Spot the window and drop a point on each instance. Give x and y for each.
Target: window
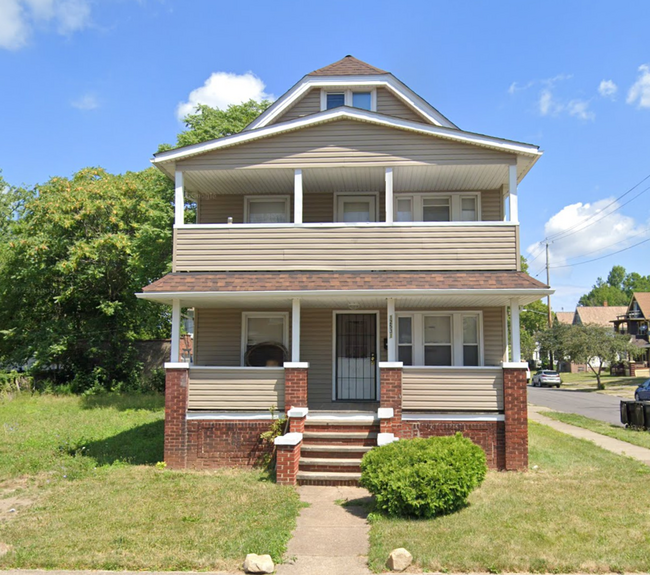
(264, 328)
(334, 100)
(453, 207)
(267, 209)
(439, 338)
(358, 208)
(362, 100)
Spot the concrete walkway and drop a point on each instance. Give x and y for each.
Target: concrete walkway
(536, 413)
(329, 539)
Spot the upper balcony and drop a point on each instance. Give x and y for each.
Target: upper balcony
(332, 220)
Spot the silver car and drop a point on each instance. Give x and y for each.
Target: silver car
(546, 377)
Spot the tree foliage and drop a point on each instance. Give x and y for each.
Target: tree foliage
(617, 289)
(74, 261)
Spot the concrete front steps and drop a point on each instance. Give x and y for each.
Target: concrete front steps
(332, 448)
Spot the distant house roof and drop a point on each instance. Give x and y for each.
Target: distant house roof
(348, 66)
(565, 316)
(643, 299)
(599, 315)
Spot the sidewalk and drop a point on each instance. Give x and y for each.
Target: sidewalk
(536, 413)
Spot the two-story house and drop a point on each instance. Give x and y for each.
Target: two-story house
(353, 262)
(634, 320)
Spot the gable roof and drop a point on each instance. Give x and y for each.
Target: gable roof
(601, 315)
(643, 299)
(348, 66)
(565, 317)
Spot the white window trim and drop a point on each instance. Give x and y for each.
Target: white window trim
(417, 335)
(377, 350)
(347, 94)
(358, 195)
(417, 203)
(262, 314)
(267, 197)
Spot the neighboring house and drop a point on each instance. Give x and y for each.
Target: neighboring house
(635, 321)
(565, 317)
(352, 262)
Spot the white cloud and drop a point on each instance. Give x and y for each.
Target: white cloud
(580, 109)
(607, 89)
(221, 90)
(18, 18)
(86, 102)
(546, 104)
(640, 91)
(589, 241)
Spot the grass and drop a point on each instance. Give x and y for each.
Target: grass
(640, 438)
(619, 386)
(579, 509)
(100, 502)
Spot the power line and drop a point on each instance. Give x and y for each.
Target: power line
(602, 257)
(642, 232)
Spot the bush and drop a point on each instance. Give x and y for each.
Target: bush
(423, 477)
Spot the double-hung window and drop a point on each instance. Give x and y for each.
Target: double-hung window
(267, 209)
(264, 328)
(439, 338)
(452, 207)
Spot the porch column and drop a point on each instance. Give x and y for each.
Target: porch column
(297, 196)
(295, 384)
(392, 326)
(389, 195)
(513, 449)
(512, 194)
(179, 201)
(295, 330)
(176, 330)
(514, 330)
(390, 401)
(177, 377)
(288, 458)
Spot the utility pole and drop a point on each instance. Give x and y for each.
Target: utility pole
(550, 317)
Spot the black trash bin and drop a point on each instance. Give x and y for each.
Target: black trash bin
(646, 413)
(625, 411)
(636, 416)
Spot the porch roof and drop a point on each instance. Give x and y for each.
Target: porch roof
(443, 288)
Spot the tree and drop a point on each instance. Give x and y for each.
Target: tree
(72, 266)
(618, 288)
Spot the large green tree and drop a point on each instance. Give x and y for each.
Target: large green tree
(617, 289)
(73, 263)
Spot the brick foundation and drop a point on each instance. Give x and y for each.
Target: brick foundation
(391, 396)
(288, 459)
(176, 387)
(295, 387)
(516, 416)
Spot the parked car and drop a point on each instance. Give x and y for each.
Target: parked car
(546, 377)
(528, 375)
(642, 392)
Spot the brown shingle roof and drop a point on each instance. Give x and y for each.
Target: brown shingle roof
(599, 315)
(348, 66)
(565, 316)
(643, 299)
(297, 281)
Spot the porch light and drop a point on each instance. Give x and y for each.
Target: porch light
(353, 305)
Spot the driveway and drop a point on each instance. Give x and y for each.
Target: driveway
(595, 405)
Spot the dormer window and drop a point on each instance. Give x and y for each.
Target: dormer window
(361, 99)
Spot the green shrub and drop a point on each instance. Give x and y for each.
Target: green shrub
(423, 477)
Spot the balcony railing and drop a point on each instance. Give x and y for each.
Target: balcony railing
(458, 246)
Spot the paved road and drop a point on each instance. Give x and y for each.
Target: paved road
(594, 405)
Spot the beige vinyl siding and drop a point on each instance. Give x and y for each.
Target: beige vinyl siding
(217, 209)
(253, 389)
(435, 389)
(348, 143)
(492, 206)
(346, 248)
(494, 347)
(217, 337)
(391, 105)
(308, 104)
(316, 349)
(318, 208)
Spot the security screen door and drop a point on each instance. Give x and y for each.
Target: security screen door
(356, 357)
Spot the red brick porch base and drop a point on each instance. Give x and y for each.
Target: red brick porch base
(295, 384)
(176, 387)
(515, 406)
(390, 396)
(288, 458)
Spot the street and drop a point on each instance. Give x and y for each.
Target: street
(594, 405)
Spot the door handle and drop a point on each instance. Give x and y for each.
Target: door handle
(372, 358)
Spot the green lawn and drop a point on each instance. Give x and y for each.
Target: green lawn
(579, 509)
(90, 496)
(614, 385)
(640, 438)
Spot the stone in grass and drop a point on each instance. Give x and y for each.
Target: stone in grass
(399, 559)
(258, 564)
(4, 548)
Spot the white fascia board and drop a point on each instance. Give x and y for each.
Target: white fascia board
(512, 293)
(399, 89)
(344, 112)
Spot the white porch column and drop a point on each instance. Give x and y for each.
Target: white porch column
(512, 194)
(295, 330)
(179, 201)
(389, 195)
(297, 197)
(176, 330)
(514, 330)
(392, 327)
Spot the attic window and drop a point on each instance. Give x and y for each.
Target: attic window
(334, 100)
(365, 100)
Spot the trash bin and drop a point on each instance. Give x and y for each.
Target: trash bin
(625, 410)
(646, 412)
(636, 416)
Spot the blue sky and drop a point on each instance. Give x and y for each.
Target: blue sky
(98, 83)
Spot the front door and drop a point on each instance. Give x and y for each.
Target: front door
(355, 357)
